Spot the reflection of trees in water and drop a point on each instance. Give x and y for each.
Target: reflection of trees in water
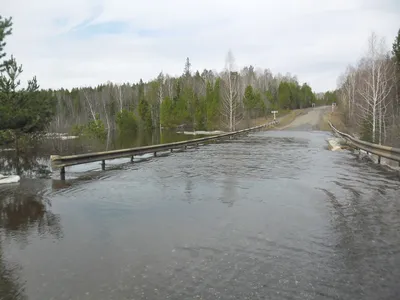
(23, 212)
(26, 164)
(230, 168)
(146, 138)
(10, 289)
(229, 190)
(23, 209)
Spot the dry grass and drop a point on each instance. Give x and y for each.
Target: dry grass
(285, 117)
(336, 118)
(254, 122)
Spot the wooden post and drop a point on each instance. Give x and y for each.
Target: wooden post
(172, 150)
(132, 158)
(379, 159)
(155, 154)
(62, 173)
(103, 165)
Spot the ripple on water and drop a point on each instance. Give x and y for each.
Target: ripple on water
(270, 216)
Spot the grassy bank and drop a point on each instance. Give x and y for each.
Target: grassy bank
(335, 118)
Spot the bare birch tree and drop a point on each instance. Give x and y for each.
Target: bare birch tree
(105, 100)
(230, 93)
(376, 85)
(118, 94)
(91, 102)
(349, 87)
(160, 96)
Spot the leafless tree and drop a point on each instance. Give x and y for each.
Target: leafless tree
(91, 102)
(118, 94)
(230, 108)
(366, 92)
(376, 85)
(349, 89)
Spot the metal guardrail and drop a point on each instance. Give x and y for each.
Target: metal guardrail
(379, 150)
(60, 162)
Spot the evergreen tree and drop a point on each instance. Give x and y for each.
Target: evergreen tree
(396, 48)
(212, 104)
(5, 30)
(167, 113)
(145, 114)
(186, 70)
(22, 110)
(284, 95)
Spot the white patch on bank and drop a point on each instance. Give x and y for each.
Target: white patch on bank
(9, 179)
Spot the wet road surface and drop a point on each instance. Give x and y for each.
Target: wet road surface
(270, 216)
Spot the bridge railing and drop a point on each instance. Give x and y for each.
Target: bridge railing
(60, 162)
(379, 150)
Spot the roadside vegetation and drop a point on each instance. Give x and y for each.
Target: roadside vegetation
(369, 94)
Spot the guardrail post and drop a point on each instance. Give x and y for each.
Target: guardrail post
(155, 154)
(103, 165)
(379, 160)
(132, 158)
(172, 150)
(62, 173)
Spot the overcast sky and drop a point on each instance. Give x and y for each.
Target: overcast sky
(68, 43)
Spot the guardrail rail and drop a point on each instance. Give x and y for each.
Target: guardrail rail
(379, 150)
(60, 162)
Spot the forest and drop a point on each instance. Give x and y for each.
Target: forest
(194, 100)
(369, 93)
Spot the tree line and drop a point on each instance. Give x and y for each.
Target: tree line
(369, 93)
(208, 100)
(199, 101)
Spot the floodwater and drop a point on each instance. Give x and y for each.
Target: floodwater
(34, 159)
(270, 216)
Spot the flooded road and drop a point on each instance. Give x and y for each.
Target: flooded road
(270, 216)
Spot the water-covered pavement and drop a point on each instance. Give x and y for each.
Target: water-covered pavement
(270, 216)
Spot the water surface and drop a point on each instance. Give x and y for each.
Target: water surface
(270, 216)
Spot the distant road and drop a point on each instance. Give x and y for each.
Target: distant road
(310, 120)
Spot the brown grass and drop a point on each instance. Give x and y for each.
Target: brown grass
(336, 118)
(285, 117)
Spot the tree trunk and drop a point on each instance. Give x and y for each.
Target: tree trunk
(373, 123)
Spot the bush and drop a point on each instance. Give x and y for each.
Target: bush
(126, 121)
(6, 137)
(77, 130)
(96, 129)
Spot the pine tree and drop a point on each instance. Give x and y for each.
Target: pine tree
(396, 48)
(22, 110)
(5, 30)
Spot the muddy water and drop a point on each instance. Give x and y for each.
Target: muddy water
(270, 216)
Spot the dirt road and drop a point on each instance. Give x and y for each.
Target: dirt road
(311, 119)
